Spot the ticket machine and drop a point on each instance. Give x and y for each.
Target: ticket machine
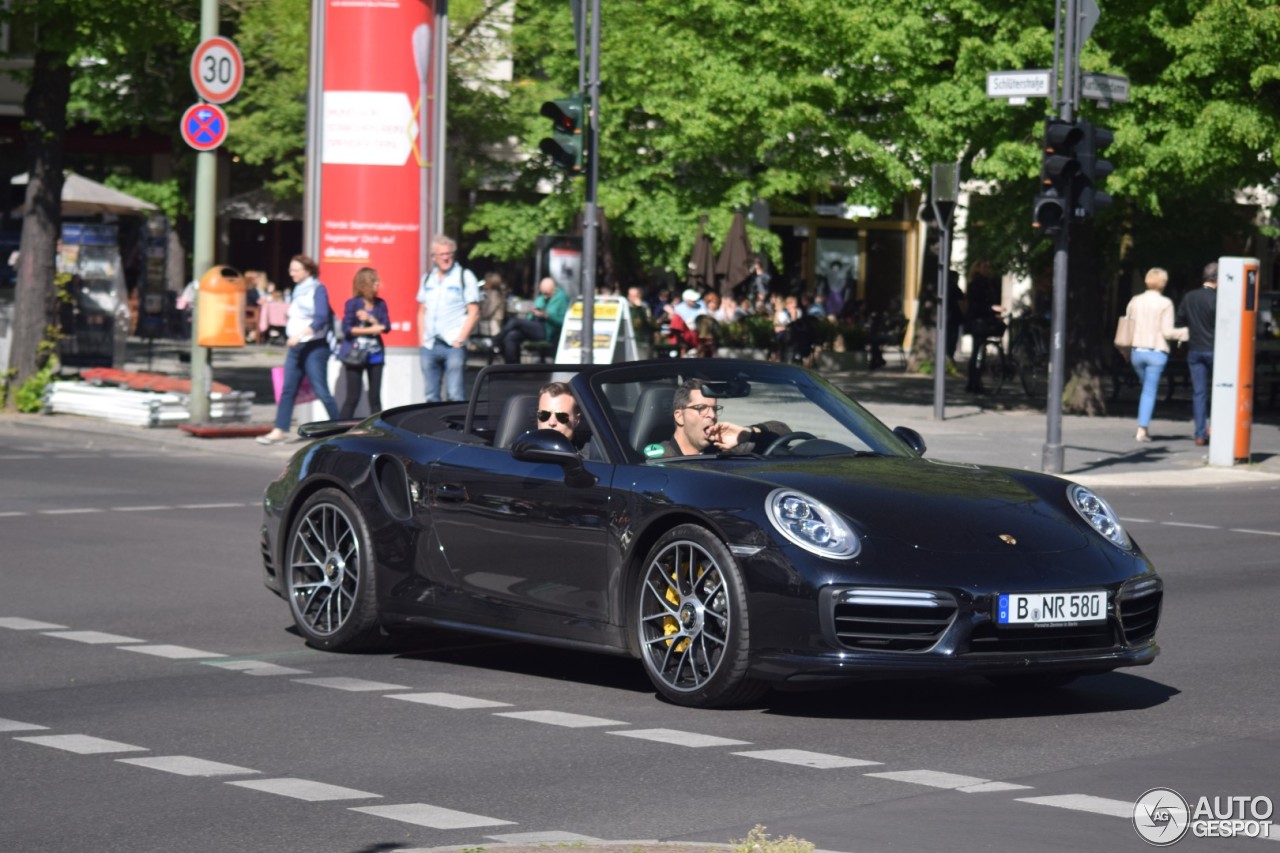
(1231, 403)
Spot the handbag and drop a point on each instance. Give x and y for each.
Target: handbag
(1124, 335)
(362, 346)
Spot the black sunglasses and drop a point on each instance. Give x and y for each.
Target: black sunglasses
(562, 417)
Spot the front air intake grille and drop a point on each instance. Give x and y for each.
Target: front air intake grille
(987, 638)
(891, 620)
(1139, 605)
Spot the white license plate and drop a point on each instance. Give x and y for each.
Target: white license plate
(1051, 608)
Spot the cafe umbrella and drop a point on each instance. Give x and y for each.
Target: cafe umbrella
(733, 266)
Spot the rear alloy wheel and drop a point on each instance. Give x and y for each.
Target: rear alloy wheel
(692, 621)
(329, 575)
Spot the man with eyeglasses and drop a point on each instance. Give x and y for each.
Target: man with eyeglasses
(448, 309)
(700, 430)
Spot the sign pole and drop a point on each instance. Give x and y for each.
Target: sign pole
(590, 219)
(202, 250)
(946, 179)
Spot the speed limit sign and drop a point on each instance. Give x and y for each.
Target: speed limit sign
(217, 69)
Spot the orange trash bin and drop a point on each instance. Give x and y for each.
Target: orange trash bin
(220, 308)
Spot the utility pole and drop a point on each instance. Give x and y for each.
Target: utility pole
(945, 191)
(590, 219)
(202, 250)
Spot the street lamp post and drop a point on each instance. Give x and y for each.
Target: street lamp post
(946, 180)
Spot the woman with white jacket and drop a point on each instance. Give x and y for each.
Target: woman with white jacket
(1152, 314)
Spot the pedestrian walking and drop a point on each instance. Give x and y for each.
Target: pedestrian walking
(364, 320)
(1152, 316)
(307, 327)
(448, 309)
(1198, 313)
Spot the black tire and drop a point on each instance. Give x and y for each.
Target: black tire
(691, 621)
(994, 368)
(1030, 371)
(329, 574)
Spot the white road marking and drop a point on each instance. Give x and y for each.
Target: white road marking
(186, 765)
(435, 817)
(70, 511)
(1259, 532)
(304, 789)
(1127, 520)
(19, 726)
(172, 652)
(541, 837)
(806, 759)
(256, 667)
(12, 514)
(139, 508)
(679, 738)
(560, 718)
(353, 685)
(227, 505)
(992, 787)
(92, 637)
(82, 744)
(1189, 524)
(17, 623)
(932, 778)
(1084, 803)
(449, 700)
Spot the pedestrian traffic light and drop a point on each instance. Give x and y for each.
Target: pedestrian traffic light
(1093, 170)
(1058, 168)
(566, 144)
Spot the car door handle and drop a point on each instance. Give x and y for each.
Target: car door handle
(451, 493)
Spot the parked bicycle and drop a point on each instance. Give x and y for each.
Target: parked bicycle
(1029, 350)
(996, 366)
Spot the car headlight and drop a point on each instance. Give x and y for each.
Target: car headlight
(811, 524)
(1099, 514)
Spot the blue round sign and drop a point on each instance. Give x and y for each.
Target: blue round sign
(204, 126)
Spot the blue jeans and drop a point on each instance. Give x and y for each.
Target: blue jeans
(1200, 363)
(452, 361)
(311, 360)
(1148, 364)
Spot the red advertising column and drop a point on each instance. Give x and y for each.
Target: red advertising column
(376, 140)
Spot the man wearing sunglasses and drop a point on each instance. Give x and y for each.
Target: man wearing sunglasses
(700, 430)
(558, 410)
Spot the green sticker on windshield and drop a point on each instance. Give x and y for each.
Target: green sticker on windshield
(653, 451)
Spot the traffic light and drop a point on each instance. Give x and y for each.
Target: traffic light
(1058, 169)
(566, 144)
(1093, 170)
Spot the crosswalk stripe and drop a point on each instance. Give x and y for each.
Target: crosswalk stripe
(304, 789)
(82, 744)
(256, 667)
(1084, 803)
(560, 718)
(679, 738)
(17, 623)
(172, 652)
(805, 758)
(435, 817)
(19, 726)
(931, 778)
(352, 685)
(186, 765)
(91, 637)
(448, 700)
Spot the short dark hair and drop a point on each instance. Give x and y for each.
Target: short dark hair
(684, 393)
(312, 268)
(555, 389)
(1210, 272)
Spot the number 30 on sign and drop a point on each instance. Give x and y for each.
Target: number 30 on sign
(217, 70)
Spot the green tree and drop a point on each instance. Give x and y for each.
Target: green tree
(87, 48)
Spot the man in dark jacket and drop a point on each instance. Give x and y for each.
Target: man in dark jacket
(1198, 312)
(698, 428)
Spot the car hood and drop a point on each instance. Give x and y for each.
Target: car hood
(937, 506)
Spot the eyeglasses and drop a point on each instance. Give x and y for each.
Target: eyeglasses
(562, 417)
(704, 408)
(442, 254)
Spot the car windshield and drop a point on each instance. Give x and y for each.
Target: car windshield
(814, 417)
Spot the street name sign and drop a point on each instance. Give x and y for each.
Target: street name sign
(1019, 85)
(1104, 87)
(217, 69)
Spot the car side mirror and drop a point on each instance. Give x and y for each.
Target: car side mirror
(911, 437)
(547, 445)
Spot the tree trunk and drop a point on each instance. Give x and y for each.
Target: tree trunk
(44, 126)
(1086, 348)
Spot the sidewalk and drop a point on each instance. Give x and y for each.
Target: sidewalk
(1009, 429)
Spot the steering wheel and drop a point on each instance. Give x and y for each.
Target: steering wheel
(784, 440)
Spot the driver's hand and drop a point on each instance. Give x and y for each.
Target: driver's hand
(725, 435)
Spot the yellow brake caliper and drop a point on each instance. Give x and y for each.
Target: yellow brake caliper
(670, 625)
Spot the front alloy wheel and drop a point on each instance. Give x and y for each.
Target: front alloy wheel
(692, 621)
(329, 574)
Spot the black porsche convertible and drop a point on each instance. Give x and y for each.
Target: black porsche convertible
(831, 550)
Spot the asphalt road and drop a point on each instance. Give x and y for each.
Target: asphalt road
(154, 697)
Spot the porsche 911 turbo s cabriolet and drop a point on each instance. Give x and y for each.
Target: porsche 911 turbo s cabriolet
(825, 548)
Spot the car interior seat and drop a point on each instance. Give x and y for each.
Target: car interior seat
(517, 419)
(653, 420)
